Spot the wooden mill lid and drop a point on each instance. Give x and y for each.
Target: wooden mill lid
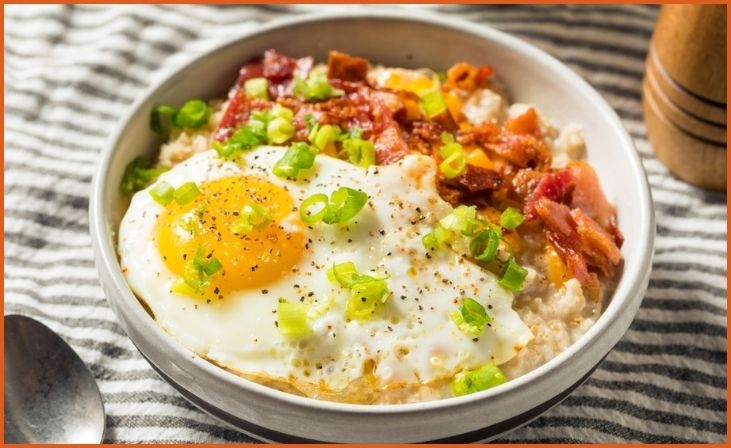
(690, 43)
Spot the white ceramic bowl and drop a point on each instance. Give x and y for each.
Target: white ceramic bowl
(421, 40)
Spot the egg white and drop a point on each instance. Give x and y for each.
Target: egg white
(410, 340)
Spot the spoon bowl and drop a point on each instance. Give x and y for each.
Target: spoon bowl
(50, 394)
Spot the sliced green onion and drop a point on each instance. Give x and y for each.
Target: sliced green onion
(160, 113)
(360, 152)
(311, 122)
(477, 380)
(212, 266)
(433, 104)
(257, 88)
(253, 216)
(513, 276)
(196, 273)
(436, 238)
(279, 111)
(193, 278)
(453, 165)
(463, 219)
(138, 174)
(366, 292)
(193, 114)
(360, 306)
(324, 135)
(485, 244)
(279, 130)
(454, 161)
(306, 214)
(511, 218)
(247, 137)
(298, 156)
(292, 319)
(179, 286)
(186, 193)
(447, 138)
(193, 274)
(471, 317)
(315, 88)
(365, 297)
(162, 193)
(344, 204)
(344, 273)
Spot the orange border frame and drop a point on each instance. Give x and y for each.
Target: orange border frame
(728, 164)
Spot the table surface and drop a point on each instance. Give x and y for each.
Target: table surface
(72, 71)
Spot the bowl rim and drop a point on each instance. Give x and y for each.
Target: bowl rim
(629, 291)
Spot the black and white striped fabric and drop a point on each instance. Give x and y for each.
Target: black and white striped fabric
(70, 73)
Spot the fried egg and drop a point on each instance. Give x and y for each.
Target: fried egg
(410, 340)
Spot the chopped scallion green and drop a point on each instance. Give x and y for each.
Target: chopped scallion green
(365, 297)
(447, 138)
(186, 193)
(366, 291)
(344, 273)
(433, 104)
(298, 156)
(193, 114)
(257, 88)
(247, 137)
(196, 273)
(292, 319)
(513, 276)
(485, 244)
(325, 135)
(511, 218)
(252, 217)
(306, 213)
(454, 161)
(477, 380)
(160, 113)
(315, 88)
(138, 174)
(279, 130)
(162, 193)
(463, 219)
(344, 204)
(360, 152)
(471, 317)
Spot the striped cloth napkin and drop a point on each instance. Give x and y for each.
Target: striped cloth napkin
(72, 71)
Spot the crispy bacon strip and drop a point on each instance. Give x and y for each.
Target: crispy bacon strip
(561, 231)
(597, 244)
(520, 150)
(278, 67)
(236, 112)
(390, 145)
(475, 179)
(553, 186)
(580, 241)
(588, 194)
(345, 67)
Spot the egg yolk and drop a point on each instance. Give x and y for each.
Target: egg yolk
(249, 259)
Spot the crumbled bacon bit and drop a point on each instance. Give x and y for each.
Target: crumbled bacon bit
(345, 67)
(475, 178)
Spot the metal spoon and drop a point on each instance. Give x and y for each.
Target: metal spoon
(50, 394)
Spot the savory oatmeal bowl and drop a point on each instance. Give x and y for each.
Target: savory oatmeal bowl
(304, 234)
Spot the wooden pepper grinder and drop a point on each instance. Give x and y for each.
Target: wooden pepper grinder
(684, 93)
